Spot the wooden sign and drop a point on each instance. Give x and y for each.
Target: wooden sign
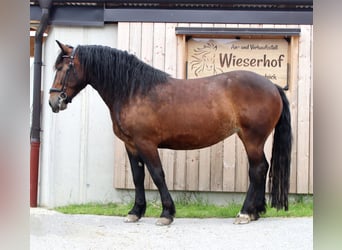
(268, 57)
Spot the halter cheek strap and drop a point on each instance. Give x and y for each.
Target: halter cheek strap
(63, 96)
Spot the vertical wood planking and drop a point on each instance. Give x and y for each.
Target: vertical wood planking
(311, 120)
(303, 109)
(119, 164)
(159, 46)
(169, 166)
(135, 39)
(204, 170)
(241, 173)
(229, 164)
(192, 163)
(147, 43)
(181, 53)
(216, 170)
(123, 36)
(292, 95)
(171, 49)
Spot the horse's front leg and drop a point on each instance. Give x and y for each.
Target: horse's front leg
(150, 156)
(255, 202)
(138, 173)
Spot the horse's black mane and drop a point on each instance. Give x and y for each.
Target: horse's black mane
(120, 74)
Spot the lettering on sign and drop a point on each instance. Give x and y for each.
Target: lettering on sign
(268, 57)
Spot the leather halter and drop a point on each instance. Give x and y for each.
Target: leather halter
(63, 96)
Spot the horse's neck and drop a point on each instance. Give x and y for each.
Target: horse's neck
(114, 108)
(105, 95)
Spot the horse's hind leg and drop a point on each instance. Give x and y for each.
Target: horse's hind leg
(138, 172)
(255, 202)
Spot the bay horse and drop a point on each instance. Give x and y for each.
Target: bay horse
(150, 110)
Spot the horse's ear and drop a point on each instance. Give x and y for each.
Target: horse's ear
(63, 47)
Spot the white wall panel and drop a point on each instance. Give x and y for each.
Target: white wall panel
(77, 144)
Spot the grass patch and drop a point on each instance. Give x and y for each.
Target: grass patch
(191, 209)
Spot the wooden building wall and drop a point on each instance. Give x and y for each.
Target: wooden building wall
(224, 166)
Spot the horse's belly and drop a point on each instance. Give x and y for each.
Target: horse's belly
(196, 139)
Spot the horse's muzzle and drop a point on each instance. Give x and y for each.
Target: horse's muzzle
(56, 103)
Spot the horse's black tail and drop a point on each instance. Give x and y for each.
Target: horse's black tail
(279, 175)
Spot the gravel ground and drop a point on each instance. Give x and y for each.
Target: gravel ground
(53, 230)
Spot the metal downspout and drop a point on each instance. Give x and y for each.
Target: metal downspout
(35, 126)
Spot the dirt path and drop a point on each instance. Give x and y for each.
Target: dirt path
(53, 230)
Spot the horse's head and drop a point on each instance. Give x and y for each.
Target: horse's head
(68, 80)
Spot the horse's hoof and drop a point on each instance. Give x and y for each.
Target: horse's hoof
(242, 219)
(131, 218)
(163, 221)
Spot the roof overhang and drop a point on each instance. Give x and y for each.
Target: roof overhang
(99, 12)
